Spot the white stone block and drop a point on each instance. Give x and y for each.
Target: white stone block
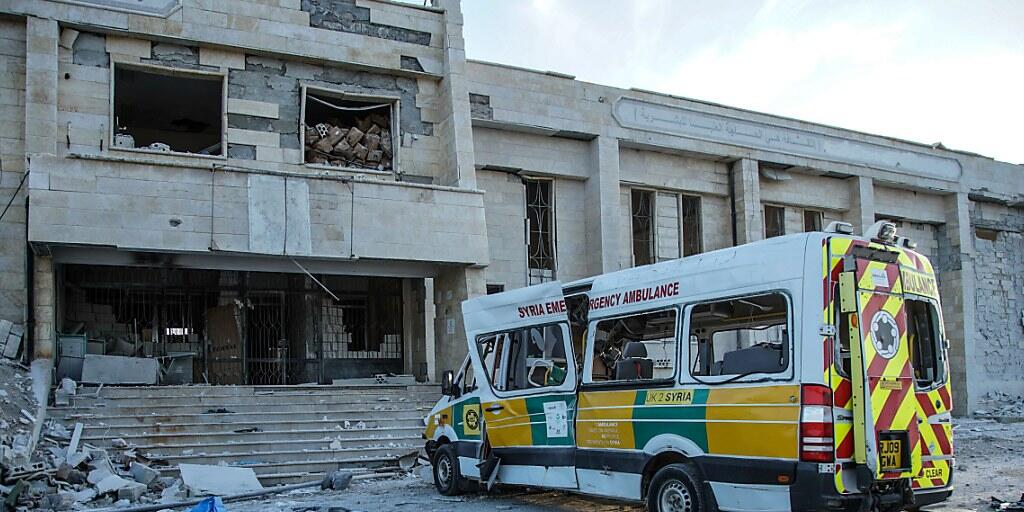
(252, 108)
(254, 138)
(128, 46)
(221, 58)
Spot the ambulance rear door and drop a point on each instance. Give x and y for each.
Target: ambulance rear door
(521, 346)
(885, 424)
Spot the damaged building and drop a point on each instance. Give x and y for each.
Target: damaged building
(299, 192)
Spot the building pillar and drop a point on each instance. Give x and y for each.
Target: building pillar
(747, 210)
(451, 287)
(955, 268)
(602, 196)
(43, 306)
(455, 128)
(862, 203)
(41, 37)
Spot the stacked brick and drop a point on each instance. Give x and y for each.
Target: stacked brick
(366, 145)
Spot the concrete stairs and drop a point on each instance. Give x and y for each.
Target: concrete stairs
(287, 434)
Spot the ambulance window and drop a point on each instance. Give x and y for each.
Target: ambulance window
(924, 335)
(740, 336)
(468, 382)
(636, 347)
(534, 357)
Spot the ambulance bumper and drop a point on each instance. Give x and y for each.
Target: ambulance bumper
(814, 491)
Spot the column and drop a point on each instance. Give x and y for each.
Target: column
(451, 287)
(862, 203)
(41, 36)
(747, 210)
(955, 268)
(455, 129)
(601, 193)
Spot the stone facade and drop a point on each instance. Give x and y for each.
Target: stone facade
(451, 217)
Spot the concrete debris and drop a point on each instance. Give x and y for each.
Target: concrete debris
(997, 404)
(204, 480)
(10, 339)
(366, 145)
(143, 474)
(1014, 506)
(337, 480)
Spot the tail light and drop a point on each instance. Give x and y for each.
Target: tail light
(816, 429)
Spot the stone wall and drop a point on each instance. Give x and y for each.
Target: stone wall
(12, 168)
(998, 261)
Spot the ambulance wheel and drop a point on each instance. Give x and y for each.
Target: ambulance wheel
(447, 477)
(676, 488)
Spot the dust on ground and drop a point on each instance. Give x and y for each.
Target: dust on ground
(989, 464)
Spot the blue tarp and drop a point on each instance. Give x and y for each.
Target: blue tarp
(213, 504)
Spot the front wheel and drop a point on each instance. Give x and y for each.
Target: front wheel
(447, 477)
(676, 488)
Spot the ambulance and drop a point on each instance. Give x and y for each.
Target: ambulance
(803, 372)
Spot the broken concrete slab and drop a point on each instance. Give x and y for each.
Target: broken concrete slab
(218, 480)
(143, 474)
(114, 483)
(98, 369)
(132, 492)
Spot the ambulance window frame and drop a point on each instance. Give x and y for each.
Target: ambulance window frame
(567, 386)
(587, 382)
(787, 374)
(941, 352)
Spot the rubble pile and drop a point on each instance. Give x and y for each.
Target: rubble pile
(366, 145)
(19, 407)
(997, 404)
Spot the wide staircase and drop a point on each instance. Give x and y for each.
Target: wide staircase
(286, 434)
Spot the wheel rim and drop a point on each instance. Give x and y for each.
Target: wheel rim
(444, 471)
(676, 497)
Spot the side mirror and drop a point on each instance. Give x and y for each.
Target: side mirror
(448, 383)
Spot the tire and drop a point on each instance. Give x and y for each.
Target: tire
(447, 478)
(677, 488)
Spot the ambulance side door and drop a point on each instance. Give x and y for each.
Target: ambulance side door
(521, 350)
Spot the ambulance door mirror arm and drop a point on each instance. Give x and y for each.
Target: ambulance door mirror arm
(448, 383)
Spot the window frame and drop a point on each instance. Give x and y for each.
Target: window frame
(699, 235)
(819, 216)
(941, 352)
(788, 374)
(653, 244)
(553, 229)
(158, 69)
(683, 236)
(319, 90)
(567, 386)
(782, 221)
(587, 382)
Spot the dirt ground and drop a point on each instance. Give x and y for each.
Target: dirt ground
(989, 464)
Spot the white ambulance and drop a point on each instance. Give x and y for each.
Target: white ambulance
(804, 372)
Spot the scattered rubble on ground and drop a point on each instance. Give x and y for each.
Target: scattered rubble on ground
(997, 404)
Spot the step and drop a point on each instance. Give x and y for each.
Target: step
(178, 410)
(352, 414)
(112, 392)
(289, 456)
(106, 430)
(354, 398)
(273, 473)
(176, 438)
(256, 446)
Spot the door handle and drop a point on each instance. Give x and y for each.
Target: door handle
(494, 408)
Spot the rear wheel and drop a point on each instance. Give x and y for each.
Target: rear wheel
(676, 488)
(447, 477)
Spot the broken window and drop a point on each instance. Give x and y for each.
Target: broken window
(740, 336)
(349, 131)
(533, 357)
(168, 110)
(774, 221)
(812, 220)
(635, 347)
(540, 231)
(692, 231)
(642, 215)
(925, 337)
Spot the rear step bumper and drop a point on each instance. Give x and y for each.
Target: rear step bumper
(813, 491)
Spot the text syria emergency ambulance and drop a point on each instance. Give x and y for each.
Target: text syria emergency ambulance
(805, 372)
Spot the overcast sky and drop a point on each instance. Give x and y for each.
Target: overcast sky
(922, 70)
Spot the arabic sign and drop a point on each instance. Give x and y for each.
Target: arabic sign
(656, 117)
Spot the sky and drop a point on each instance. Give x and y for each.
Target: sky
(928, 71)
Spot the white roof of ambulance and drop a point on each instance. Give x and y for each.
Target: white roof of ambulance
(761, 265)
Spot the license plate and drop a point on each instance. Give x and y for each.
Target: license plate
(890, 454)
